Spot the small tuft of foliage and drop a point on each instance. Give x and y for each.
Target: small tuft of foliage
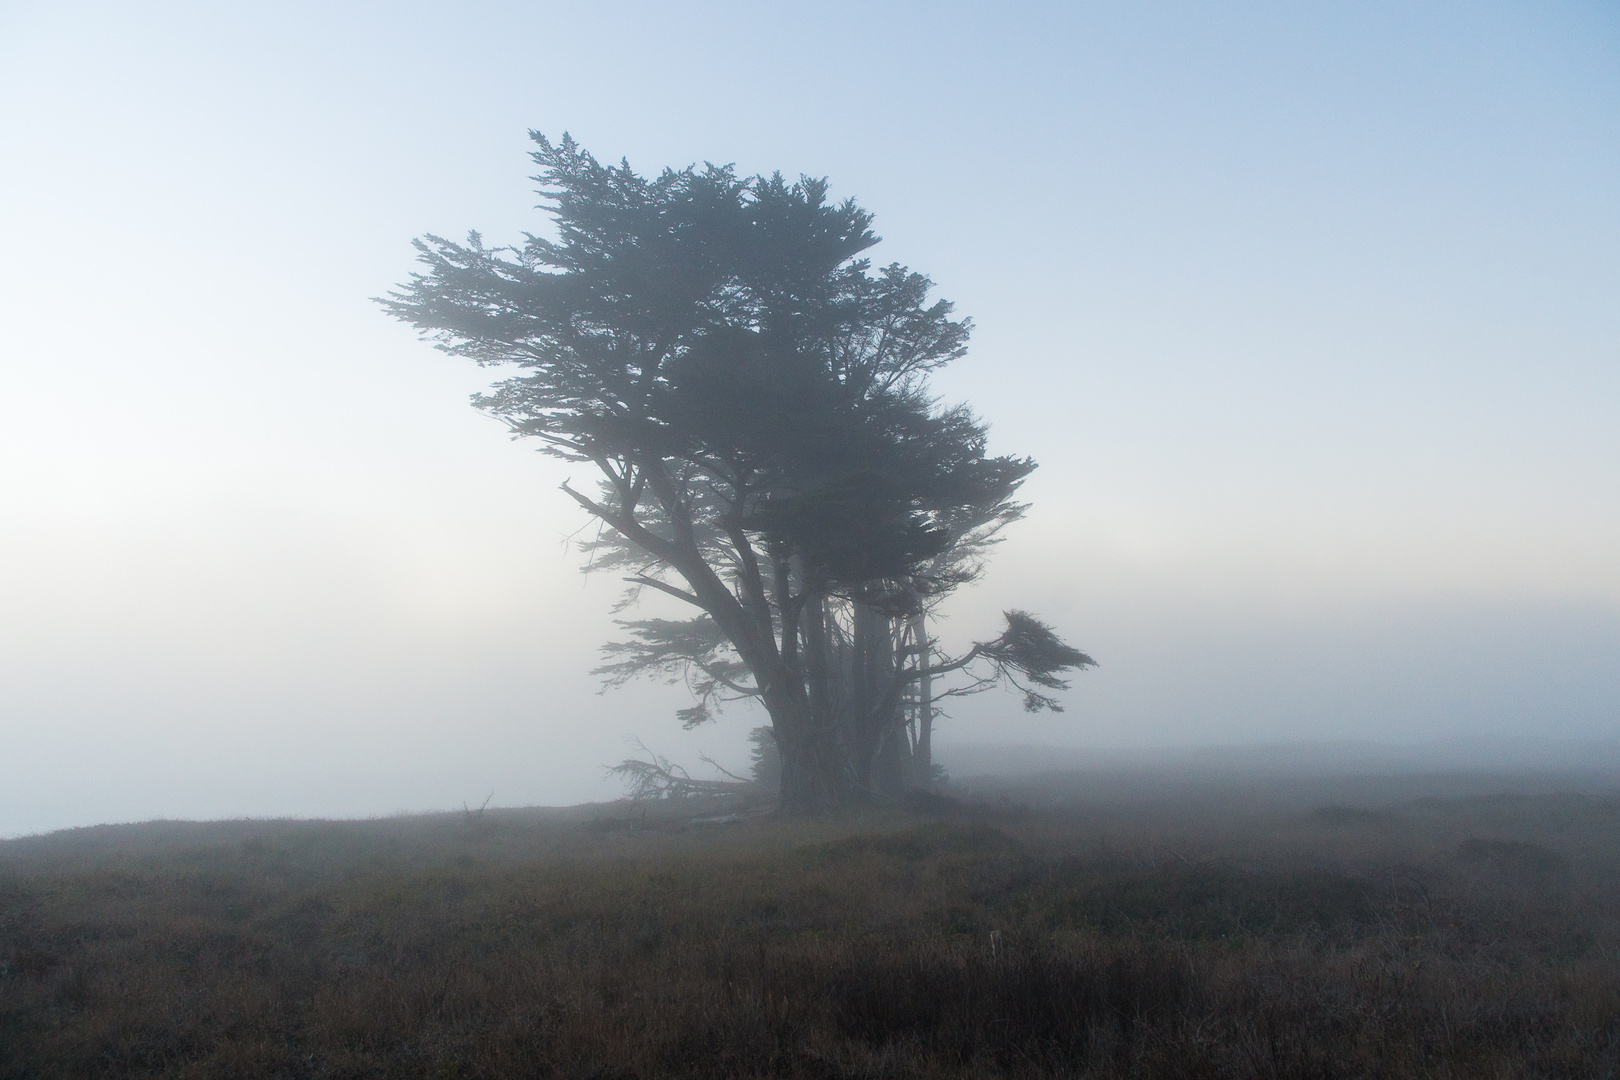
(1512, 855)
(765, 760)
(1350, 817)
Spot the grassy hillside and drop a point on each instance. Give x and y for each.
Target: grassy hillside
(1184, 936)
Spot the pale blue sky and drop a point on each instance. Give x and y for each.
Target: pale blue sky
(1311, 313)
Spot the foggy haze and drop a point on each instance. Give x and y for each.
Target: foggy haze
(1308, 315)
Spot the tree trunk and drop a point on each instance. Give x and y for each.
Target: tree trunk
(878, 736)
(814, 776)
(922, 758)
(892, 760)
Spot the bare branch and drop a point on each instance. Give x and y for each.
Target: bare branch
(664, 587)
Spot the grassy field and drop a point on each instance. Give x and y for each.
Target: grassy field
(1193, 932)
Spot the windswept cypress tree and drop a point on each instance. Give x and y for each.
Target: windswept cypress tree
(754, 395)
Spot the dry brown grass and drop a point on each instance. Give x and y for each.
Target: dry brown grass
(1471, 937)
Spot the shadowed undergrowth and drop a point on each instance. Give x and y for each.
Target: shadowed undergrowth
(1440, 938)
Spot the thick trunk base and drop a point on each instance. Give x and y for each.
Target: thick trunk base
(814, 777)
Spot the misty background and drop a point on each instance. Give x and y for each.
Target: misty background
(1311, 315)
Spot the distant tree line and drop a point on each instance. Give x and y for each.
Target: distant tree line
(754, 396)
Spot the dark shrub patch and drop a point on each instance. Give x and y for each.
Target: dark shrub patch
(1204, 902)
(1351, 817)
(1513, 856)
(918, 843)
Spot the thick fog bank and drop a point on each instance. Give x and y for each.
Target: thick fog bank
(1599, 760)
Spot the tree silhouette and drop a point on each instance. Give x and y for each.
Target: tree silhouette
(754, 396)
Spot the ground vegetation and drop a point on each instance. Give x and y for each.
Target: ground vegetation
(1468, 936)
